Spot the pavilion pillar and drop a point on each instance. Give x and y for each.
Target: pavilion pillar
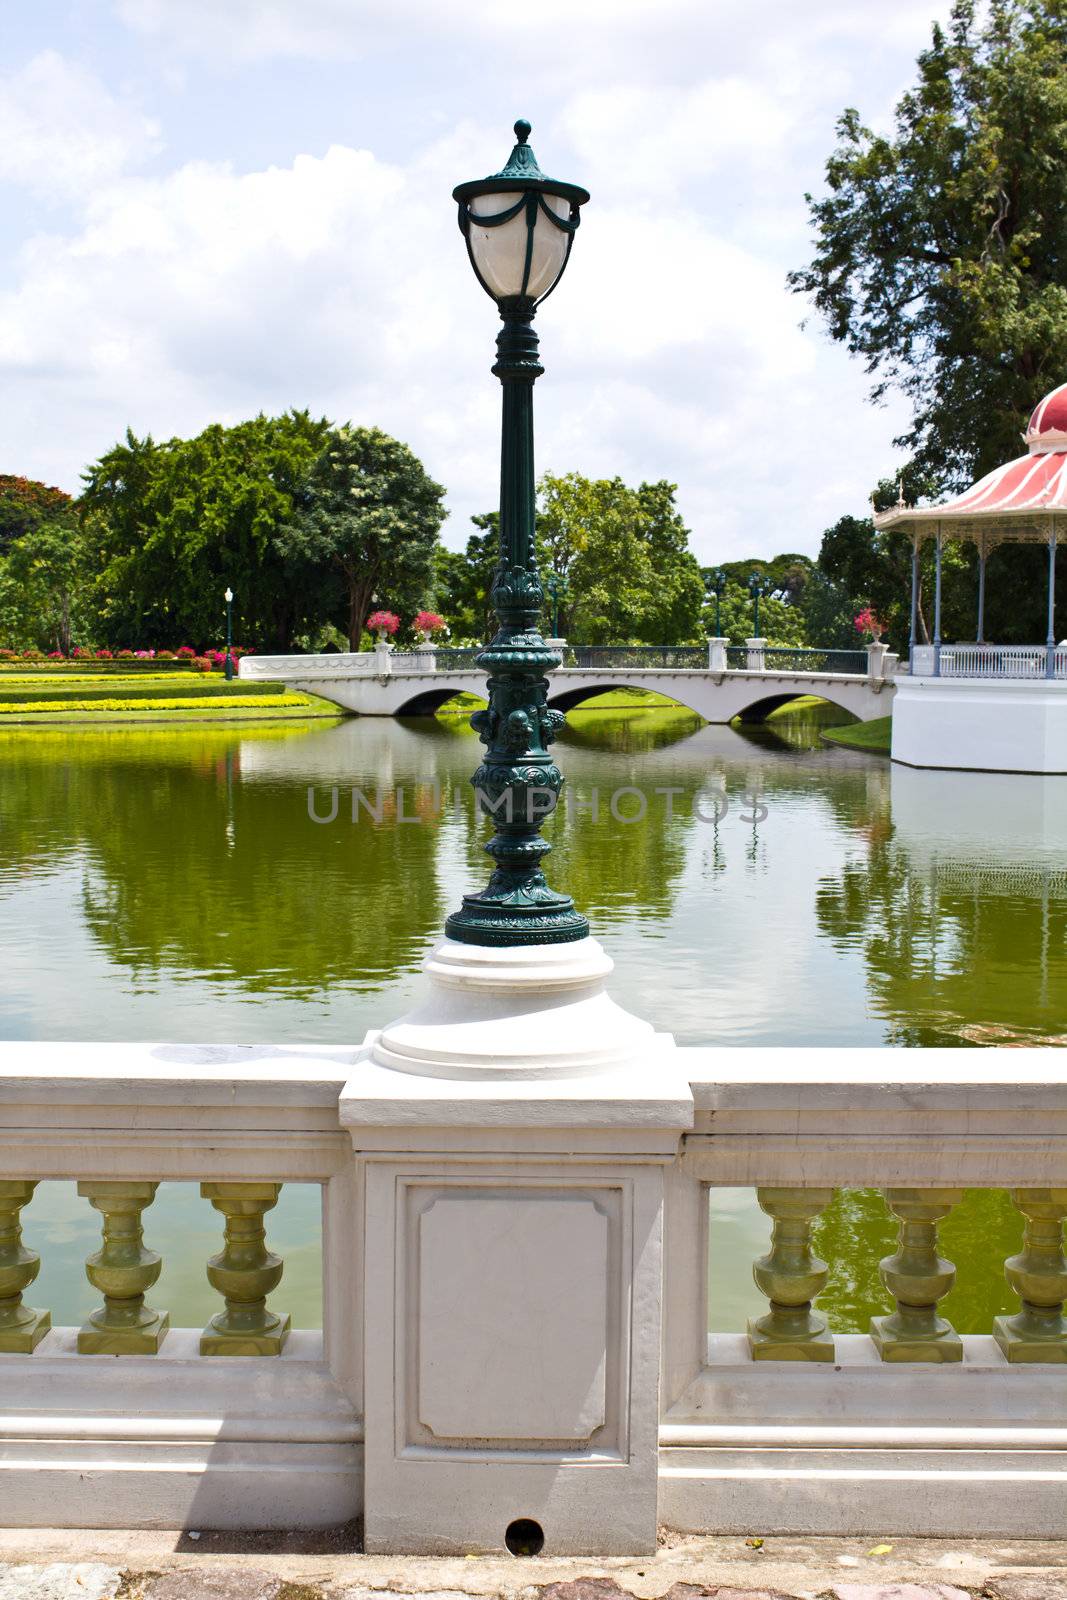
(914, 595)
(937, 603)
(981, 593)
(1050, 638)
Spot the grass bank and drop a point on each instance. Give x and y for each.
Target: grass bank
(875, 735)
(25, 701)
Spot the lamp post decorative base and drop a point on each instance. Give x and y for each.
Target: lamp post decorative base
(521, 1011)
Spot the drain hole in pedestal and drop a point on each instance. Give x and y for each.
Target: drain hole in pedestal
(524, 1537)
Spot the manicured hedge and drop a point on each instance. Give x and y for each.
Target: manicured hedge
(89, 664)
(114, 703)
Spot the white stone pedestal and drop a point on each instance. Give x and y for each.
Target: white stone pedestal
(512, 1133)
(981, 724)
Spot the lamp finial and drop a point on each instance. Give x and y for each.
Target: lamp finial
(522, 130)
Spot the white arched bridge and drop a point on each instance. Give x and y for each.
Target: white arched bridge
(717, 684)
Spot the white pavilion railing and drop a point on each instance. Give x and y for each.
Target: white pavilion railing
(989, 661)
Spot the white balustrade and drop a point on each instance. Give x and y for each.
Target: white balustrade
(791, 1430)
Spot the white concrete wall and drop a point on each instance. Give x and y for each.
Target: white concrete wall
(981, 724)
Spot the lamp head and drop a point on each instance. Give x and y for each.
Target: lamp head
(228, 596)
(519, 226)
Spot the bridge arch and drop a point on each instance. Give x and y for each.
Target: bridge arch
(759, 709)
(427, 701)
(571, 699)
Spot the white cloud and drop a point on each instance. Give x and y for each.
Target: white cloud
(62, 132)
(340, 283)
(338, 280)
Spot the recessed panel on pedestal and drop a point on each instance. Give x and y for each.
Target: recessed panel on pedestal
(512, 1321)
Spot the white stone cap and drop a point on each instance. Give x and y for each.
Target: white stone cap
(514, 1012)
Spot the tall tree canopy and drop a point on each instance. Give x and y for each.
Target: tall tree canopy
(941, 250)
(371, 514)
(26, 505)
(44, 576)
(170, 525)
(464, 581)
(625, 555)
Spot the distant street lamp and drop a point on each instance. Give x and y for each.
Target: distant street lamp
(557, 588)
(718, 582)
(519, 227)
(229, 634)
(757, 585)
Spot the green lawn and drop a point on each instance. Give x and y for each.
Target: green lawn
(68, 699)
(874, 735)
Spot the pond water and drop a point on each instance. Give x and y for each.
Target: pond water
(754, 887)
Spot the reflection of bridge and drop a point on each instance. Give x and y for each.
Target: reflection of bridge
(386, 683)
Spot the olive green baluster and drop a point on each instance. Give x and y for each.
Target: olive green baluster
(1038, 1274)
(245, 1272)
(917, 1278)
(791, 1276)
(21, 1328)
(122, 1269)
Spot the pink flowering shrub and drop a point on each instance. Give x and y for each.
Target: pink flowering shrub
(104, 655)
(383, 622)
(866, 623)
(430, 622)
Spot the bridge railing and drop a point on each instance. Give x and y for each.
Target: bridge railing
(459, 658)
(795, 659)
(669, 656)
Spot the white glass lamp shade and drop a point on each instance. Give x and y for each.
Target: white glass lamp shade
(228, 596)
(500, 253)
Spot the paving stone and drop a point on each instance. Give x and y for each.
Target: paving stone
(236, 1583)
(359, 1592)
(60, 1580)
(587, 1589)
(1028, 1586)
(690, 1591)
(898, 1591)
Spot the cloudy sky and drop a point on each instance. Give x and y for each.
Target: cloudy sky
(212, 207)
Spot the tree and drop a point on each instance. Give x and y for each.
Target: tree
(631, 577)
(371, 514)
(780, 622)
(939, 251)
(44, 586)
(464, 581)
(26, 504)
(170, 525)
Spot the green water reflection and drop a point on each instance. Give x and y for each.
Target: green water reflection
(755, 887)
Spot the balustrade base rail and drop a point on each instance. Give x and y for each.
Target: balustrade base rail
(866, 1448)
(176, 1440)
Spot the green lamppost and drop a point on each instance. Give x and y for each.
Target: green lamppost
(718, 580)
(229, 634)
(519, 227)
(756, 587)
(557, 589)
